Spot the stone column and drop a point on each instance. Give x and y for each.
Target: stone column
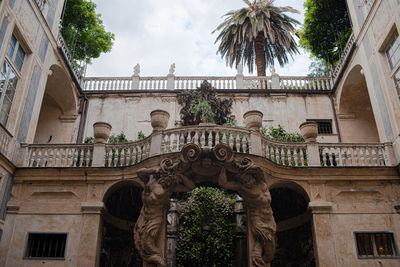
(253, 121)
(90, 239)
(159, 121)
(101, 132)
(309, 131)
(323, 234)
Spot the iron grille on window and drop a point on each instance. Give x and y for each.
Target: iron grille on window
(46, 245)
(372, 245)
(324, 126)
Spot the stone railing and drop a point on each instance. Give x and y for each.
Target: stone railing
(206, 137)
(5, 141)
(68, 57)
(171, 82)
(57, 155)
(373, 154)
(344, 58)
(246, 141)
(127, 154)
(288, 154)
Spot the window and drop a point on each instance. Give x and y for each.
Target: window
(9, 75)
(393, 54)
(46, 245)
(375, 245)
(324, 126)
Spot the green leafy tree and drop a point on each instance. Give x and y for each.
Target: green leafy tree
(206, 229)
(326, 29)
(318, 68)
(84, 32)
(258, 33)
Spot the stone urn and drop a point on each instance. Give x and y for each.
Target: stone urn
(309, 131)
(159, 119)
(101, 132)
(253, 120)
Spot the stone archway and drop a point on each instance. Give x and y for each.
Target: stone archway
(356, 117)
(122, 205)
(59, 109)
(217, 165)
(295, 245)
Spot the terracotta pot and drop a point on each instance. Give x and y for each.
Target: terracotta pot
(309, 131)
(253, 120)
(101, 131)
(159, 119)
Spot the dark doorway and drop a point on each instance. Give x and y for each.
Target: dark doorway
(121, 213)
(295, 242)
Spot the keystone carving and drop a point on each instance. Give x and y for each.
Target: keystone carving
(196, 165)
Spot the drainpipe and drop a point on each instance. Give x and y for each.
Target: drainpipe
(83, 110)
(335, 118)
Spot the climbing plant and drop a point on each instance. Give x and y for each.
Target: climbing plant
(206, 231)
(202, 104)
(280, 134)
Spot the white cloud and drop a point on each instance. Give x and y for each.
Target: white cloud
(156, 33)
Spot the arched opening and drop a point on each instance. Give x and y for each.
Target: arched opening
(356, 118)
(209, 221)
(294, 231)
(122, 209)
(59, 109)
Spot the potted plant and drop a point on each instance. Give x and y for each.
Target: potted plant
(202, 107)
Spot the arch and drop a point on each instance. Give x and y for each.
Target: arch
(294, 231)
(122, 205)
(59, 109)
(355, 115)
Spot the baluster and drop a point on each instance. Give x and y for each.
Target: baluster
(302, 162)
(276, 154)
(122, 156)
(295, 156)
(202, 137)
(289, 156)
(381, 156)
(231, 140)
(368, 156)
(224, 138)
(244, 144)
(324, 158)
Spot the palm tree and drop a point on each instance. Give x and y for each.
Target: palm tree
(260, 33)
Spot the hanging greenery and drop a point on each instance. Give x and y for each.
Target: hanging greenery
(280, 134)
(206, 229)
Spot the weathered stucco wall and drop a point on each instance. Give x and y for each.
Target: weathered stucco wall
(131, 114)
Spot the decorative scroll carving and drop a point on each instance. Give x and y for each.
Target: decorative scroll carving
(210, 165)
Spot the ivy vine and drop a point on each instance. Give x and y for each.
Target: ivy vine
(206, 229)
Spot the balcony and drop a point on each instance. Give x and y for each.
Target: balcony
(243, 141)
(238, 82)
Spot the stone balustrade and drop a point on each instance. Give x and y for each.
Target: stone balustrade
(370, 154)
(172, 82)
(127, 154)
(343, 59)
(5, 141)
(207, 136)
(68, 57)
(287, 154)
(57, 155)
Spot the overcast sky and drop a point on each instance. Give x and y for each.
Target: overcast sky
(157, 33)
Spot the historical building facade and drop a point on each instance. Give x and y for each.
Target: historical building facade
(68, 203)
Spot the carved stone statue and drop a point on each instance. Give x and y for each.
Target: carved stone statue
(253, 188)
(172, 69)
(136, 70)
(159, 185)
(273, 71)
